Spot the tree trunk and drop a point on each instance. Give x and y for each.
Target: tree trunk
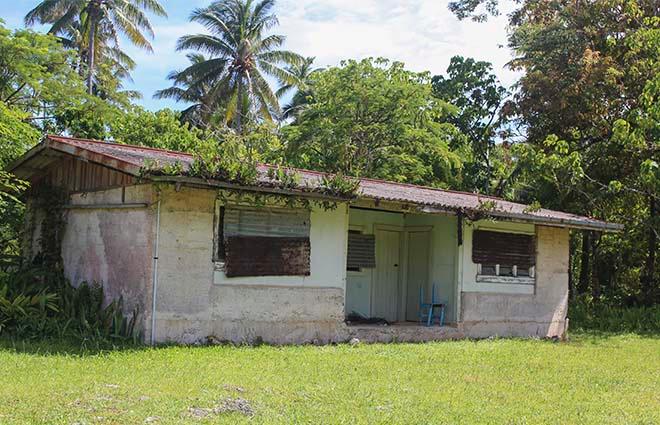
(585, 263)
(238, 119)
(595, 276)
(648, 281)
(91, 51)
(571, 280)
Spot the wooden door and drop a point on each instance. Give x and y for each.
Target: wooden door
(386, 282)
(418, 272)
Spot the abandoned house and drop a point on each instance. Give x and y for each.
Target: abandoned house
(209, 259)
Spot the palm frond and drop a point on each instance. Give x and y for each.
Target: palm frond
(281, 74)
(152, 6)
(137, 18)
(204, 43)
(130, 30)
(49, 10)
(64, 21)
(281, 56)
(214, 21)
(265, 92)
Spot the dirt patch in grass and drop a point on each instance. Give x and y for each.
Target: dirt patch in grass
(227, 405)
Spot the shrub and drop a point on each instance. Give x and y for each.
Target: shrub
(585, 314)
(38, 303)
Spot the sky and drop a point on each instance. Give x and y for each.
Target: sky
(423, 34)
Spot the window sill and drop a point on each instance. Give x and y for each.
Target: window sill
(510, 280)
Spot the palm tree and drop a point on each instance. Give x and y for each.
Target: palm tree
(199, 95)
(99, 21)
(303, 72)
(240, 57)
(118, 65)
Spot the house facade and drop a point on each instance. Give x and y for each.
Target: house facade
(206, 259)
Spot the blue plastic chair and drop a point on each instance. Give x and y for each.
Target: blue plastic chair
(427, 309)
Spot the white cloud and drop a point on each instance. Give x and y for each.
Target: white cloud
(423, 34)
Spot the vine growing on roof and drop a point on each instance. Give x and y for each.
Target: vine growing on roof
(231, 162)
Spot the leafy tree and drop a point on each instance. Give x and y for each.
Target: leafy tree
(161, 129)
(37, 79)
(472, 87)
(591, 72)
(477, 10)
(375, 119)
(241, 56)
(588, 101)
(100, 22)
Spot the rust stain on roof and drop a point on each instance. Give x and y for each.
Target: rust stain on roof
(131, 159)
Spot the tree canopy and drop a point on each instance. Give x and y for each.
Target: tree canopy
(373, 118)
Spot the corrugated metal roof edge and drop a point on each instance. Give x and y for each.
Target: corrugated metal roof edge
(120, 164)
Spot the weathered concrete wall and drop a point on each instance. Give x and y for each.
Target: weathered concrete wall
(194, 302)
(539, 314)
(116, 247)
(112, 247)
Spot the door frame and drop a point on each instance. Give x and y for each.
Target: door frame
(402, 284)
(407, 231)
(372, 292)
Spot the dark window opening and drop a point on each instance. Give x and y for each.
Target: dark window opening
(254, 241)
(504, 254)
(361, 251)
(220, 242)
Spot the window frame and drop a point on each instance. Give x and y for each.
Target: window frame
(507, 279)
(359, 231)
(219, 244)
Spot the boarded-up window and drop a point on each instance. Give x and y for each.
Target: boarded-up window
(264, 241)
(504, 254)
(361, 251)
(265, 256)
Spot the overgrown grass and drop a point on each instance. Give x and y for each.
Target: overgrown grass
(613, 379)
(586, 315)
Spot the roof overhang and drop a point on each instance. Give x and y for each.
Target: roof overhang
(109, 155)
(49, 150)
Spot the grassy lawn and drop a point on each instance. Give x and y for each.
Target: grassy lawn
(592, 379)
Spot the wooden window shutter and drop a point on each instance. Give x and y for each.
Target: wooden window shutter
(266, 242)
(361, 251)
(266, 256)
(507, 249)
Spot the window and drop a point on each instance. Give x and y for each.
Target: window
(361, 251)
(510, 256)
(263, 241)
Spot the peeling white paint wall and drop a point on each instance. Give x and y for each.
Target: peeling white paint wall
(112, 247)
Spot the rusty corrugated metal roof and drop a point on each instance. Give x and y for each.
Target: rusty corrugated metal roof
(131, 159)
